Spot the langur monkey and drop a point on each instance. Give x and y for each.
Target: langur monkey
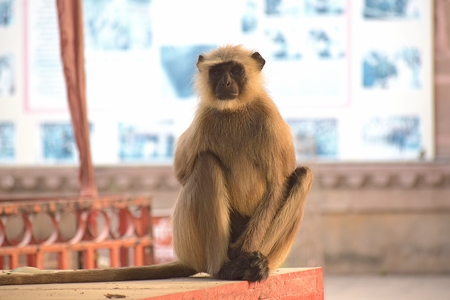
(242, 197)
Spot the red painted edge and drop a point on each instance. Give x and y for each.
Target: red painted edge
(300, 285)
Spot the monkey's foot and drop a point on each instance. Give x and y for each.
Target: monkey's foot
(247, 266)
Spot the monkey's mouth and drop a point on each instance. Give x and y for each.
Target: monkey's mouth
(228, 97)
(225, 93)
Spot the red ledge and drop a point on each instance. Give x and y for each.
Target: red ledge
(285, 284)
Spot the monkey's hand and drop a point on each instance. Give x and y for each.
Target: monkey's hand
(247, 266)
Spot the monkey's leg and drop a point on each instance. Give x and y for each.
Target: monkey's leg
(279, 237)
(201, 217)
(251, 266)
(281, 234)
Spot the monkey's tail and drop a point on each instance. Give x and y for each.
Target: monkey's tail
(161, 271)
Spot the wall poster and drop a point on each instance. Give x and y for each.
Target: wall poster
(352, 78)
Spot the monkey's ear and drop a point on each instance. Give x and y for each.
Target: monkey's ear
(261, 61)
(201, 58)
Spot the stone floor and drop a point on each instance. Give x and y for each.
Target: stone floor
(364, 287)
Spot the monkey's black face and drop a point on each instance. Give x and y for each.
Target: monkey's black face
(227, 80)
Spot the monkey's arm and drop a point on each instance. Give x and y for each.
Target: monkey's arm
(185, 155)
(168, 270)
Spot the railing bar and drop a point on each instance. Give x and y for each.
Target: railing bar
(138, 255)
(31, 259)
(63, 260)
(89, 258)
(14, 260)
(114, 256)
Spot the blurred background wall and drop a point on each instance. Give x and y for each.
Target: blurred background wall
(376, 217)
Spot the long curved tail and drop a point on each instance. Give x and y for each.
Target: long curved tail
(162, 271)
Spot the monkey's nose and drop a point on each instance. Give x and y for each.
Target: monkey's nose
(226, 83)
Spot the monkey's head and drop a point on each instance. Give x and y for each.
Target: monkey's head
(229, 77)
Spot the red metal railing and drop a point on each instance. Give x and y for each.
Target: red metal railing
(119, 225)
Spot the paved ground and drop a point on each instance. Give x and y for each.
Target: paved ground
(364, 287)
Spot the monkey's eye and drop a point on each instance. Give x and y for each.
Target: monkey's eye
(216, 73)
(236, 70)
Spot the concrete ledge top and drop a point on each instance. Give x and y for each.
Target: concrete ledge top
(290, 283)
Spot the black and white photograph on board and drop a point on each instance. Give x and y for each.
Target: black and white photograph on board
(392, 9)
(117, 25)
(146, 143)
(399, 69)
(7, 80)
(315, 138)
(283, 8)
(58, 143)
(324, 7)
(295, 8)
(250, 17)
(282, 41)
(394, 137)
(296, 40)
(6, 13)
(325, 42)
(7, 142)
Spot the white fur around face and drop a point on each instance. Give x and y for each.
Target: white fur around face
(254, 77)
